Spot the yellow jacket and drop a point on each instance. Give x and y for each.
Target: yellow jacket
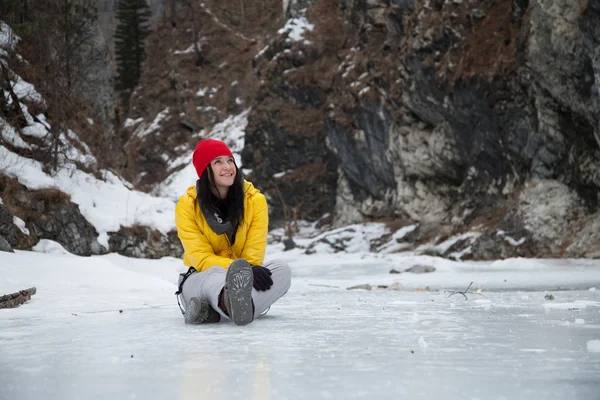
(203, 248)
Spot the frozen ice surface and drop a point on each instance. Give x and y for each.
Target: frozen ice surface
(323, 344)
(594, 346)
(320, 341)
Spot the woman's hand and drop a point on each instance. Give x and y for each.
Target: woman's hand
(262, 278)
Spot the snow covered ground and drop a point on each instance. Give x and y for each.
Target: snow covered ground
(321, 341)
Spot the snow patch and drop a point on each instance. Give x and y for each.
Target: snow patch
(26, 91)
(21, 225)
(8, 39)
(10, 135)
(156, 124)
(36, 130)
(446, 244)
(206, 108)
(394, 243)
(349, 69)
(514, 242)
(295, 28)
(103, 239)
(260, 53)
(130, 122)
(510, 240)
(73, 152)
(51, 247)
(190, 49)
(349, 239)
(280, 174)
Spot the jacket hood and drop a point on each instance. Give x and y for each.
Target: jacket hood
(249, 190)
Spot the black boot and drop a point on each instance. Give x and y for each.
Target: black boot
(236, 299)
(200, 312)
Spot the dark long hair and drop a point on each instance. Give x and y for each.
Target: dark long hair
(234, 201)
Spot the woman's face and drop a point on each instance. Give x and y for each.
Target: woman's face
(223, 168)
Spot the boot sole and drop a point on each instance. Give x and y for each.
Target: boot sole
(199, 312)
(239, 282)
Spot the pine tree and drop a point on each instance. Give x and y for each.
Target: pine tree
(132, 30)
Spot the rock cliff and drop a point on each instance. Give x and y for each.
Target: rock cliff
(461, 115)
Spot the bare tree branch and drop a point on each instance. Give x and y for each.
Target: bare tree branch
(464, 293)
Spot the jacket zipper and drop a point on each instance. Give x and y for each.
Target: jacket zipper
(229, 249)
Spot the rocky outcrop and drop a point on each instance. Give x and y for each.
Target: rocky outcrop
(586, 241)
(285, 143)
(5, 245)
(10, 235)
(471, 116)
(47, 214)
(143, 242)
(63, 223)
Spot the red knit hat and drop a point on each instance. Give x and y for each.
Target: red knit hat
(206, 151)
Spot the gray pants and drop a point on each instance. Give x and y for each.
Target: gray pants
(208, 284)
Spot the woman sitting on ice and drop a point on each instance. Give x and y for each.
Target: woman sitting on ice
(222, 223)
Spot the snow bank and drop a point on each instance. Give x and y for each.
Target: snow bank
(97, 283)
(50, 247)
(107, 205)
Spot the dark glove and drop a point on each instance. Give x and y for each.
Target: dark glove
(262, 278)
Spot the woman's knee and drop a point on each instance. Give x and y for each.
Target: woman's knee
(282, 273)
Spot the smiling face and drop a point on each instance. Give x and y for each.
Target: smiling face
(224, 171)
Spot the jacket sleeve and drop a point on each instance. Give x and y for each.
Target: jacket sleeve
(195, 243)
(256, 239)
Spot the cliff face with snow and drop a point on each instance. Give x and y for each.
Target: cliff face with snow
(469, 128)
(457, 115)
